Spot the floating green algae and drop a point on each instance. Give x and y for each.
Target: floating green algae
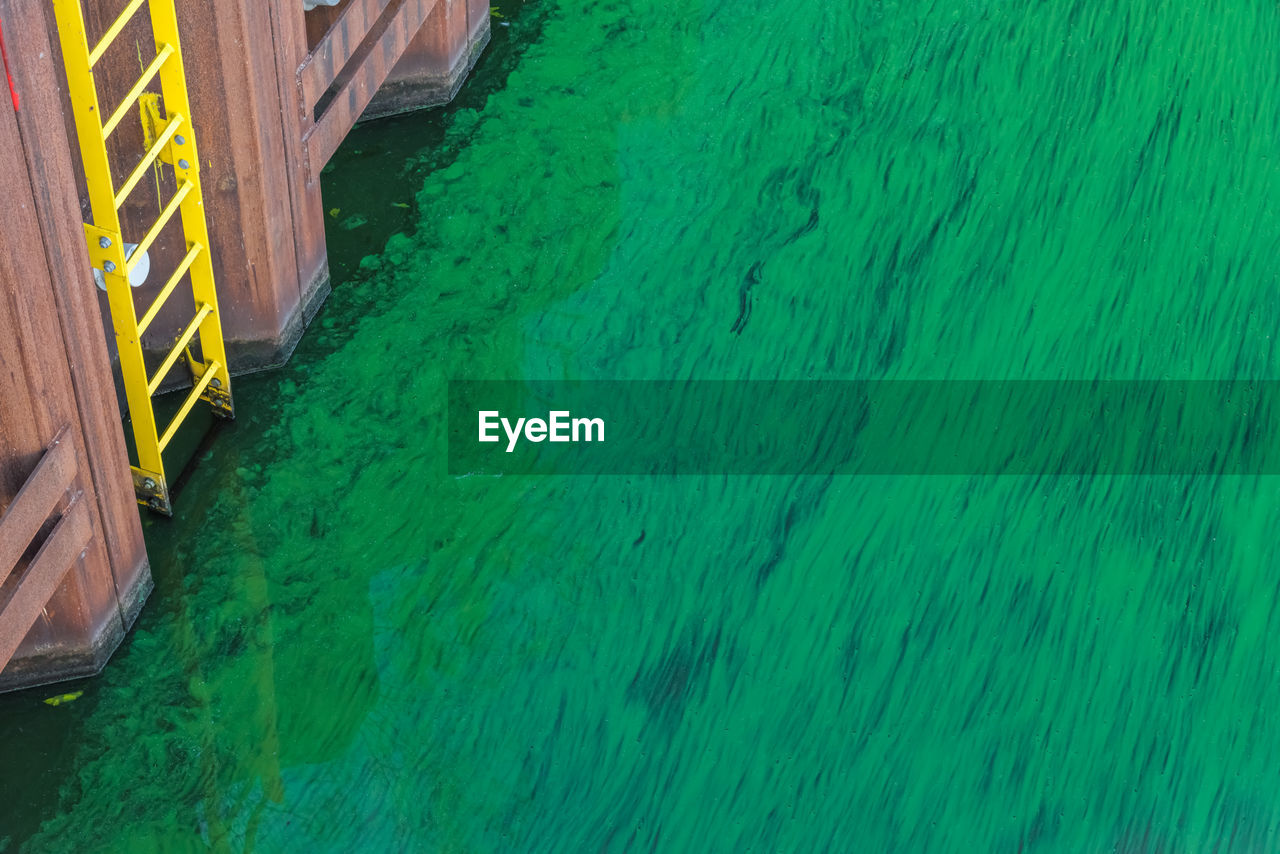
(348, 649)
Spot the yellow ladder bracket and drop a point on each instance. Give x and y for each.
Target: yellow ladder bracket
(169, 139)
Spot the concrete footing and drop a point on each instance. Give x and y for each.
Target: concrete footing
(436, 63)
(62, 656)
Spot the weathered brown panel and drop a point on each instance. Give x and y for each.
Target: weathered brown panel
(69, 538)
(478, 20)
(444, 40)
(375, 59)
(35, 502)
(37, 398)
(289, 50)
(108, 485)
(237, 115)
(336, 48)
(320, 19)
(33, 365)
(54, 372)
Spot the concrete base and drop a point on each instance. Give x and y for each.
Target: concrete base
(424, 89)
(251, 356)
(132, 600)
(60, 662)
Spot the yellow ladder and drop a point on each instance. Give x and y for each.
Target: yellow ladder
(169, 139)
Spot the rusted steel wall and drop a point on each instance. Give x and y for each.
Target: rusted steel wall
(55, 375)
(262, 144)
(265, 222)
(267, 232)
(288, 28)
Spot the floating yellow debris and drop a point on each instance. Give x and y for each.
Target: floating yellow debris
(399, 205)
(63, 698)
(333, 212)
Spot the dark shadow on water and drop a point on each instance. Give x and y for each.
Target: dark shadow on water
(40, 743)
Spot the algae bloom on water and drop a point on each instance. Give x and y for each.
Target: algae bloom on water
(350, 649)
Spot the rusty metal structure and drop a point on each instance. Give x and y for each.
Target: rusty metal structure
(272, 92)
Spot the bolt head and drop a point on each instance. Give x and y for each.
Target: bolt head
(215, 382)
(179, 139)
(104, 242)
(109, 266)
(148, 483)
(184, 164)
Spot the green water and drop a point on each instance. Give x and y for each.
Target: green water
(347, 649)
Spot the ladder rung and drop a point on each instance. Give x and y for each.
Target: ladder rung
(209, 373)
(132, 98)
(151, 155)
(163, 296)
(158, 226)
(172, 358)
(110, 36)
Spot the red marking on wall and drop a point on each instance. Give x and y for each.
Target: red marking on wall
(4, 55)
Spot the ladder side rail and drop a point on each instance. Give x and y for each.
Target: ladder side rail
(186, 165)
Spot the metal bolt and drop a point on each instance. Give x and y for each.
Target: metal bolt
(184, 164)
(215, 382)
(104, 242)
(148, 483)
(109, 266)
(178, 139)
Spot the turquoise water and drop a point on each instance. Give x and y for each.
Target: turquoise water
(349, 649)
